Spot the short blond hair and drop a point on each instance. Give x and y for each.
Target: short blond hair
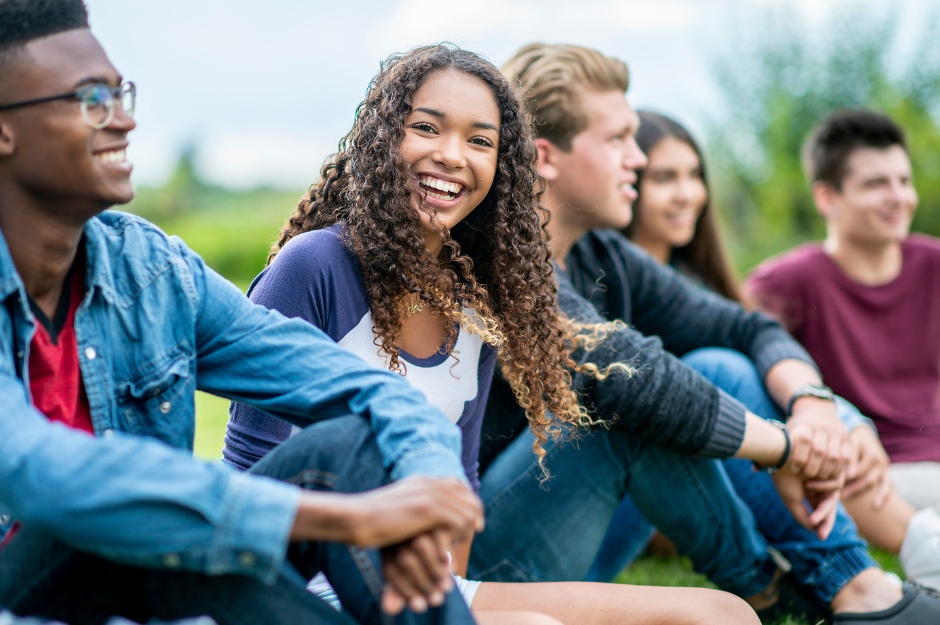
(550, 79)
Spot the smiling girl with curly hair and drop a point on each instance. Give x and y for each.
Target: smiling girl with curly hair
(422, 249)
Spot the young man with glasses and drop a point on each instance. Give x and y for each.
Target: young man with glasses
(108, 326)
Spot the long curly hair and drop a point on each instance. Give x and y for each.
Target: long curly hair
(495, 262)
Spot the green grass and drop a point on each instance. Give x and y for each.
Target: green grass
(656, 571)
(212, 415)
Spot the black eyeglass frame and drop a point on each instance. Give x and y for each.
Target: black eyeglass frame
(117, 94)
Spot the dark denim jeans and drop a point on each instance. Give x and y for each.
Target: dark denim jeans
(41, 576)
(552, 531)
(723, 515)
(823, 566)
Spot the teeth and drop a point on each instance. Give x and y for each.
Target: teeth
(442, 185)
(114, 156)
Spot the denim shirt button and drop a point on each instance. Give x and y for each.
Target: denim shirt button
(165, 407)
(19, 353)
(172, 560)
(247, 559)
(90, 353)
(4, 519)
(108, 433)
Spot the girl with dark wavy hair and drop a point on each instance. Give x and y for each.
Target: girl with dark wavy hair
(673, 218)
(422, 250)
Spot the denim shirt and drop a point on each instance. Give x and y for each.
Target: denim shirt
(154, 325)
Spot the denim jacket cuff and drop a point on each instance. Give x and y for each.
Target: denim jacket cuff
(851, 417)
(436, 461)
(253, 536)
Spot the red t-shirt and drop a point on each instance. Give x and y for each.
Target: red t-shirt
(879, 347)
(55, 379)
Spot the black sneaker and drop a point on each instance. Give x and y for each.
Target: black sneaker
(794, 600)
(919, 606)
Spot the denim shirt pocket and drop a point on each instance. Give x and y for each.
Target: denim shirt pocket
(159, 403)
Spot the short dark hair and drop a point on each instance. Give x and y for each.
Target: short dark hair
(22, 21)
(827, 150)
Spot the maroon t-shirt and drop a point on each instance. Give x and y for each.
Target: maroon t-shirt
(879, 347)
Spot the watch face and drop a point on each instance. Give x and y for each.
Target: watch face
(810, 390)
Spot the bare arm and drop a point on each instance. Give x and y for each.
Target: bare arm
(390, 514)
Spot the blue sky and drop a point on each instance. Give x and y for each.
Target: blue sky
(265, 88)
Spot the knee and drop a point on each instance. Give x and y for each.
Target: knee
(327, 447)
(721, 608)
(733, 372)
(732, 610)
(720, 360)
(514, 617)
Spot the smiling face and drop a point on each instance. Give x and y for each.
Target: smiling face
(52, 154)
(451, 143)
(877, 200)
(672, 196)
(593, 182)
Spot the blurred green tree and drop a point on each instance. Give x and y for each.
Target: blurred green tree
(779, 76)
(232, 229)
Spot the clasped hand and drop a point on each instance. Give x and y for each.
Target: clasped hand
(416, 521)
(821, 455)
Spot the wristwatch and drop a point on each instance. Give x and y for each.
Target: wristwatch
(810, 390)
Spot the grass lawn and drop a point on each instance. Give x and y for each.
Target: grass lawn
(212, 415)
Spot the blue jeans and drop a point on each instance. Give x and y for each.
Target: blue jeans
(41, 576)
(823, 566)
(723, 515)
(551, 532)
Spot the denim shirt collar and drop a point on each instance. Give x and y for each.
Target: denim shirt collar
(98, 270)
(9, 280)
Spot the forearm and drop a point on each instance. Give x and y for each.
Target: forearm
(763, 443)
(327, 517)
(785, 377)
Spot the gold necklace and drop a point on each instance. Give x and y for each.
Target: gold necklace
(412, 309)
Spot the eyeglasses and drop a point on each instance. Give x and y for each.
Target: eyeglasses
(97, 102)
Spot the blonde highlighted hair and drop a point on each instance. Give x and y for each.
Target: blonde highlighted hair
(551, 77)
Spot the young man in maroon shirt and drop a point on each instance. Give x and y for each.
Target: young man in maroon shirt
(865, 303)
